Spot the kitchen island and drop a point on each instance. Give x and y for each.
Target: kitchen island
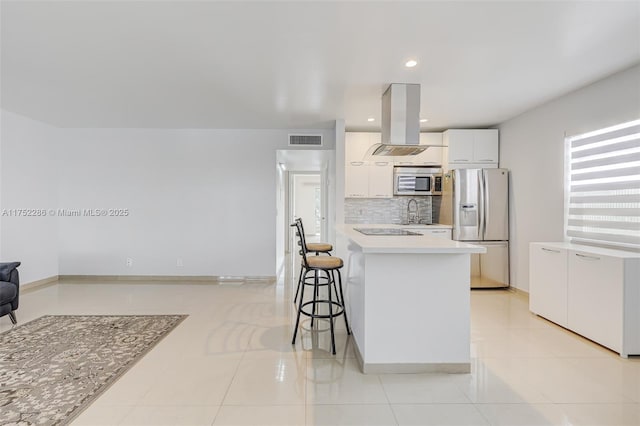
(408, 300)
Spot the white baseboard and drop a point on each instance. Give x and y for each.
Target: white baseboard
(35, 285)
(166, 278)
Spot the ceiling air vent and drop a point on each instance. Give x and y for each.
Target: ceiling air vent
(305, 140)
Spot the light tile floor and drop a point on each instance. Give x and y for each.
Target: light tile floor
(231, 363)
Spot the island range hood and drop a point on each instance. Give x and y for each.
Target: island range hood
(400, 122)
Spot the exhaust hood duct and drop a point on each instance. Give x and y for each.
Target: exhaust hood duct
(400, 121)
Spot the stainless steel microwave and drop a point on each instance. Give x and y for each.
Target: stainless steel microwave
(417, 181)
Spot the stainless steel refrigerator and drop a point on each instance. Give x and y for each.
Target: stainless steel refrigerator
(476, 203)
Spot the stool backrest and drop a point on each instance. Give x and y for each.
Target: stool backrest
(301, 240)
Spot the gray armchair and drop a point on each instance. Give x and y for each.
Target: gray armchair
(9, 289)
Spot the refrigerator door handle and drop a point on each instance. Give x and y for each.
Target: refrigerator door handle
(481, 206)
(486, 203)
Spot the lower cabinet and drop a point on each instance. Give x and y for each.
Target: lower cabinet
(440, 233)
(596, 289)
(434, 232)
(548, 283)
(594, 292)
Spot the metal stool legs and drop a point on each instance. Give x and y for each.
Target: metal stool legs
(335, 302)
(301, 277)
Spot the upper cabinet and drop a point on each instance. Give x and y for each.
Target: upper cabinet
(472, 147)
(366, 177)
(381, 179)
(432, 156)
(357, 144)
(372, 177)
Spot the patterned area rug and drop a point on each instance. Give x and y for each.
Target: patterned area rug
(52, 368)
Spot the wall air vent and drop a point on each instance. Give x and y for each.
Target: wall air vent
(305, 140)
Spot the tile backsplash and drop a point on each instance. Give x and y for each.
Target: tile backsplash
(385, 210)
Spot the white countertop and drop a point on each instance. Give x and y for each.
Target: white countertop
(591, 249)
(399, 226)
(405, 244)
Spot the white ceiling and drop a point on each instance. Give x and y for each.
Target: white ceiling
(272, 64)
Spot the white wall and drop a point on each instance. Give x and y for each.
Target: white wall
(532, 146)
(338, 212)
(28, 180)
(205, 196)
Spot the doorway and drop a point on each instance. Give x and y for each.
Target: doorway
(304, 191)
(306, 203)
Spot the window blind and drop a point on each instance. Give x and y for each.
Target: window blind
(603, 186)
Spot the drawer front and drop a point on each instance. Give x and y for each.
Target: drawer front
(439, 233)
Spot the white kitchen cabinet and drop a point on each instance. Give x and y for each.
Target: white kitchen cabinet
(485, 146)
(369, 179)
(597, 290)
(460, 143)
(439, 233)
(356, 179)
(366, 177)
(372, 177)
(595, 297)
(358, 143)
(380, 179)
(548, 282)
(432, 156)
(435, 231)
(471, 147)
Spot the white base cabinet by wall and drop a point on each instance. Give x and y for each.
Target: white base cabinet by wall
(592, 291)
(548, 282)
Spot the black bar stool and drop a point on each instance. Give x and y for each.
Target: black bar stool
(318, 248)
(330, 265)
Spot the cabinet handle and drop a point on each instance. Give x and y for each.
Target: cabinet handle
(357, 163)
(584, 256)
(405, 162)
(550, 251)
(460, 159)
(487, 160)
(381, 163)
(438, 232)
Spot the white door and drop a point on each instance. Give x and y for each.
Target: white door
(307, 203)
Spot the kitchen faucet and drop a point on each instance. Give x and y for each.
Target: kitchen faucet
(415, 212)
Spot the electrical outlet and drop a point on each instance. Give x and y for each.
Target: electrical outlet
(129, 262)
(179, 262)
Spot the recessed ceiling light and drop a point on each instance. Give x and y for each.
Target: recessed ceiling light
(423, 120)
(371, 119)
(411, 63)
